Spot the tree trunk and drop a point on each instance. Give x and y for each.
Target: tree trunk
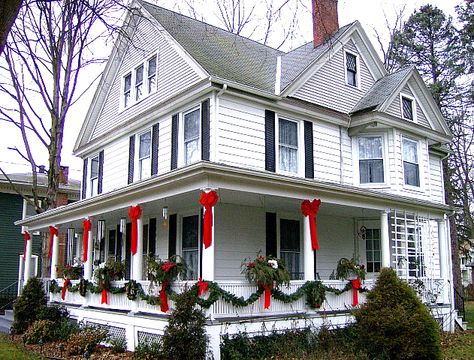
(8, 13)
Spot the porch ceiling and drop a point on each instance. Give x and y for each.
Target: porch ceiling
(180, 190)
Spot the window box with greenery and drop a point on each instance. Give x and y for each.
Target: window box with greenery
(72, 272)
(350, 269)
(106, 273)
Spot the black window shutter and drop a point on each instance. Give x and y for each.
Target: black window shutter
(270, 140)
(101, 172)
(84, 179)
(131, 159)
(271, 234)
(172, 235)
(118, 255)
(308, 150)
(154, 148)
(152, 237)
(205, 130)
(174, 142)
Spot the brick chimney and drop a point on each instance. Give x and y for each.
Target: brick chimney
(64, 175)
(325, 20)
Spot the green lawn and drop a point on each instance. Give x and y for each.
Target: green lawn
(470, 314)
(9, 350)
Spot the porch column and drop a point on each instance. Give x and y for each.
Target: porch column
(385, 238)
(208, 255)
(90, 260)
(443, 253)
(27, 260)
(308, 258)
(54, 257)
(137, 259)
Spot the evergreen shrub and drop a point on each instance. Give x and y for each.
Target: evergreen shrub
(86, 340)
(27, 306)
(40, 330)
(395, 324)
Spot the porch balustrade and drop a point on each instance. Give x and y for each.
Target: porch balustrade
(221, 308)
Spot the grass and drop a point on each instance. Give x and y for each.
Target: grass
(469, 306)
(14, 351)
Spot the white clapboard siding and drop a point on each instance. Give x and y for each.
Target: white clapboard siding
(347, 158)
(327, 159)
(174, 75)
(436, 178)
(164, 148)
(115, 165)
(395, 108)
(240, 134)
(239, 233)
(327, 87)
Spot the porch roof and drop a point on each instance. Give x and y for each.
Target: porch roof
(204, 175)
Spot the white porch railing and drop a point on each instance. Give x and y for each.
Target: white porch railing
(220, 308)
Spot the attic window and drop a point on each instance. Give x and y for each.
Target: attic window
(407, 108)
(139, 82)
(351, 69)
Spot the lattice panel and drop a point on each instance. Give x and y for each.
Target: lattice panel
(147, 338)
(115, 332)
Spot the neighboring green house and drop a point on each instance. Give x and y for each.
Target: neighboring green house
(12, 208)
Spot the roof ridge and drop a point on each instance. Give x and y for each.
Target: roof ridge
(208, 24)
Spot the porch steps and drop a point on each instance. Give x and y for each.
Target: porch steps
(460, 324)
(6, 321)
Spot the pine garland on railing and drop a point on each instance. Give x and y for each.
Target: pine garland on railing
(315, 292)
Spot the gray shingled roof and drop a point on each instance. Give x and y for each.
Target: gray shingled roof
(219, 52)
(382, 90)
(27, 179)
(298, 60)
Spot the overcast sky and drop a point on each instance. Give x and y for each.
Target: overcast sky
(371, 14)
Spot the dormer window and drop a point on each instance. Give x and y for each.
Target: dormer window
(351, 69)
(139, 82)
(407, 108)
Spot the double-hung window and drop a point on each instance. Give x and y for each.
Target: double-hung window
(144, 155)
(410, 162)
(152, 74)
(127, 88)
(372, 249)
(191, 126)
(94, 179)
(351, 69)
(407, 108)
(290, 246)
(288, 146)
(139, 82)
(190, 245)
(371, 168)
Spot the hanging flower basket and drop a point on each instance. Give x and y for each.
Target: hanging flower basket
(350, 269)
(72, 272)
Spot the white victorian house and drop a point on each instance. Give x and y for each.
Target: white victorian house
(185, 107)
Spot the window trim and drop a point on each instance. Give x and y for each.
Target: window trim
(91, 191)
(357, 74)
(420, 181)
(181, 144)
(300, 146)
(133, 85)
(179, 236)
(137, 175)
(413, 107)
(290, 216)
(356, 168)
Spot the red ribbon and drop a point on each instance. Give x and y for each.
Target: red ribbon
(355, 292)
(208, 200)
(134, 214)
(86, 224)
(52, 231)
(203, 286)
(27, 237)
(104, 297)
(63, 291)
(311, 208)
(164, 297)
(268, 293)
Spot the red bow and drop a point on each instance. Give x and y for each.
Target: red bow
(52, 231)
(203, 286)
(355, 292)
(104, 296)
(267, 292)
(63, 291)
(311, 208)
(167, 266)
(27, 237)
(85, 238)
(134, 214)
(163, 297)
(208, 200)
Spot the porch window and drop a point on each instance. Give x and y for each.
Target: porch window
(371, 160)
(372, 248)
(71, 246)
(152, 74)
(190, 248)
(115, 245)
(191, 126)
(407, 108)
(94, 179)
(410, 162)
(290, 246)
(139, 82)
(351, 69)
(144, 155)
(288, 145)
(127, 86)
